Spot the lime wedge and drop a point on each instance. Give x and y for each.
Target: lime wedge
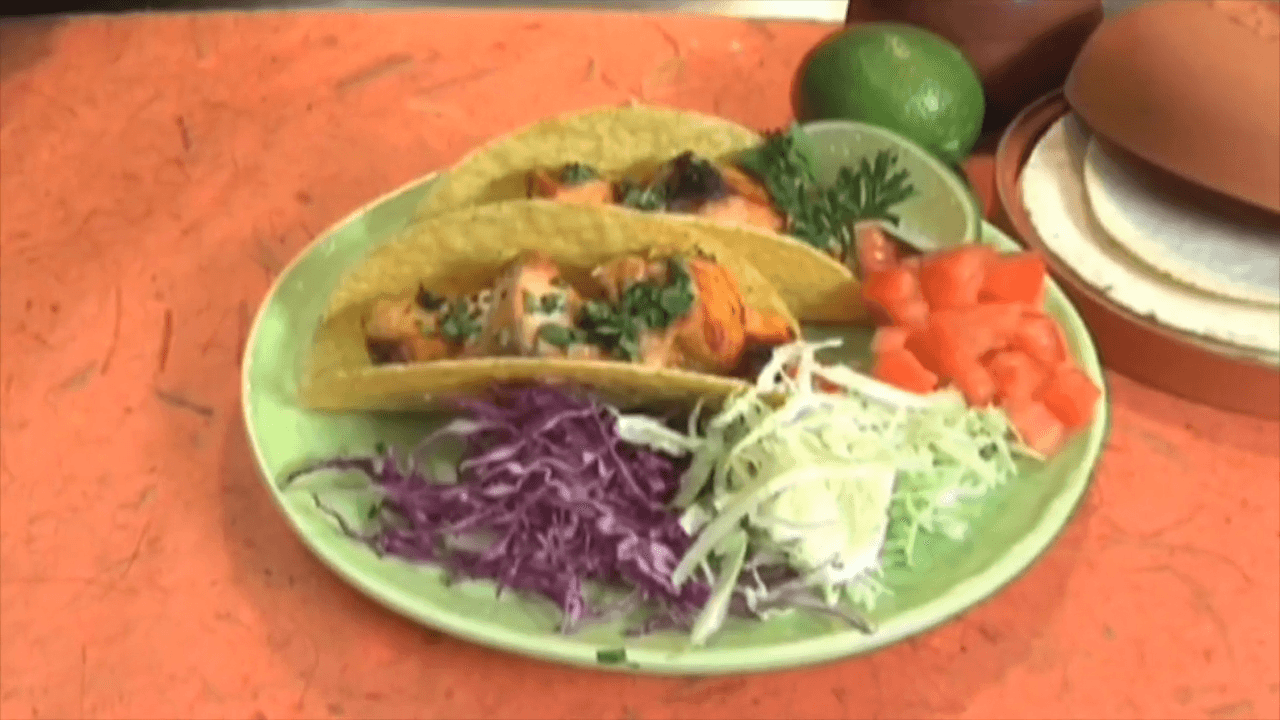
(941, 213)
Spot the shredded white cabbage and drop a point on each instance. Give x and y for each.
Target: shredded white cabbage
(840, 484)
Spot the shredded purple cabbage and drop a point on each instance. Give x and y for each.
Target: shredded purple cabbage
(548, 497)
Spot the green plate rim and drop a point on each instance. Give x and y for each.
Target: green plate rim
(965, 596)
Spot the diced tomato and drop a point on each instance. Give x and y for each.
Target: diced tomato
(1002, 318)
(890, 286)
(889, 337)
(1040, 337)
(876, 250)
(1015, 278)
(923, 344)
(1039, 428)
(902, 369)
(1061, 335)
(981, 328)
(1017, 376)
(974, 382)
(951, 345)
(914, 314)
(953, 278)
(894, 293)
(1071, 396)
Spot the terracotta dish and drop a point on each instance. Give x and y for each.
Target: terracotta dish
(1193, 87)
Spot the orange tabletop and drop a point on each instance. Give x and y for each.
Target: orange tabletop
(158, 171)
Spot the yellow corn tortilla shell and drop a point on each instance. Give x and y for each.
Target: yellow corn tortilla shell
(462, 252)
(617, 141)
(635, 140)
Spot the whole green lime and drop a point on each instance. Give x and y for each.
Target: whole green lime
(899, 77)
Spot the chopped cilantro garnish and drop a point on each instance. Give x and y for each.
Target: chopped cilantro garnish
(615, 656)
(602, 322)
(577, 173)
(559, 335)
(457, 325)
(552, 303)
(824, 218)
(545, 304)
(612, 330)
(646, 305)
(428, 300)
(637, 196)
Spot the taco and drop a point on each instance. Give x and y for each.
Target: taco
(690, 165)
(638, 308)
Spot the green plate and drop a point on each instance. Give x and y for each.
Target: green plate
(942, 212)
(1017, 523)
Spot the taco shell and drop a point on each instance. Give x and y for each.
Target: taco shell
(616, 140)
(462, 252)
(635, 141)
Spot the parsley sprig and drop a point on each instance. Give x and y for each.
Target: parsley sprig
(824, 217)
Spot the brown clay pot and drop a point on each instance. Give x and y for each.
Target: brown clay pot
(1192, 87)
